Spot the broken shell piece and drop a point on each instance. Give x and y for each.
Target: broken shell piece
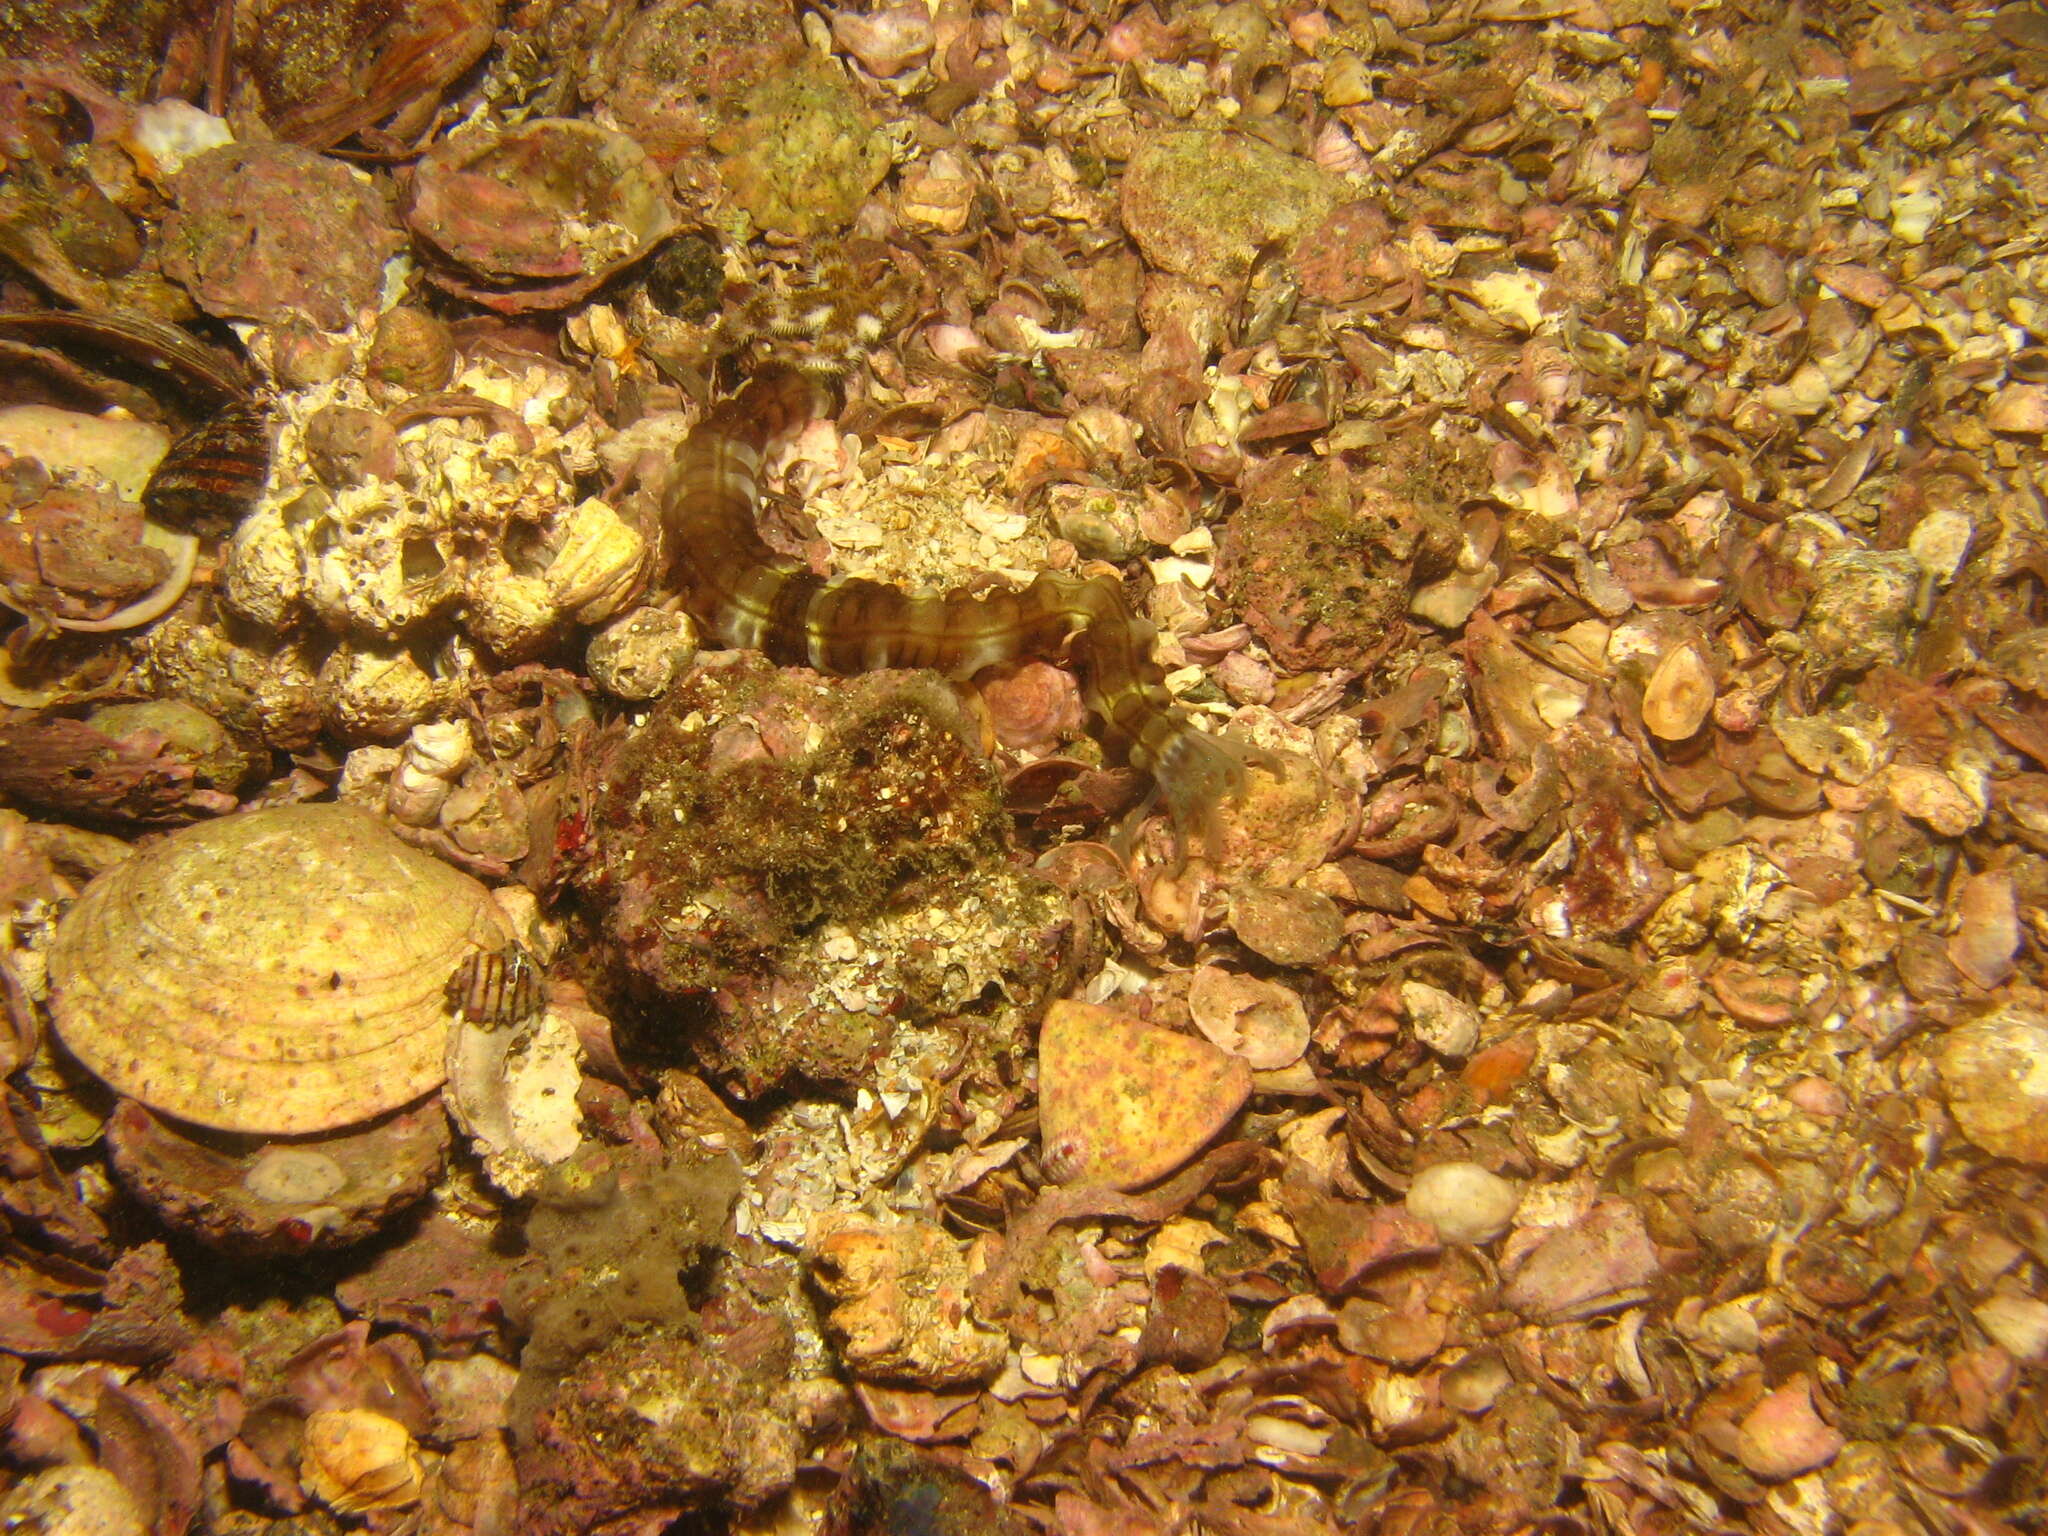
(641, 655)
(1259, 1020)
(2022, 660)
(514, 1092)
(1123, 1103)
(2018, 408)
(1447, 1025)
(280, 971)
(99, 449)
(282, 1197)
(356, 1461)
(888, 41)
(903, 1311)
(597, 563)
(1679, 695)
(1784, 1436)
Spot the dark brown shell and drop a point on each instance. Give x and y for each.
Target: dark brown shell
(215, 473)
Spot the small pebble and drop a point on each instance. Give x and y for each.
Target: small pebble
(1782, 1436)
(1446, 1024)
(1463, 1201)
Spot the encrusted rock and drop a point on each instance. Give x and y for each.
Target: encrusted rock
(817, 861)
(273, 232)
(269, 692)
(803, 152)
(1203, 202)
(655, 1424)
(1310, 567)
(903, 1312)
(641, 654)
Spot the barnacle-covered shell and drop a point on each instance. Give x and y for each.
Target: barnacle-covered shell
(537, 216)
(267, 1197)
(281, 971)
(369, 694)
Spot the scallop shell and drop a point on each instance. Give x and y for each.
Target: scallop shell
(280, 972)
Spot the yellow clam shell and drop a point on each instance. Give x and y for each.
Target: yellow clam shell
(280, 972)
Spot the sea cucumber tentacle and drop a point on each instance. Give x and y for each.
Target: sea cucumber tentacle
(744, 594)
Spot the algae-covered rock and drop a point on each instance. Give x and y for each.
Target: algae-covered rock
(816, 862)
(1313, 564)
(1205, 204)
(654, 1379)
(612, 1234)
(804, 152)
(682, 69)
(659, 1423)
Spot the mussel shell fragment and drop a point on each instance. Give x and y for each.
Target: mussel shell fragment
(210, 478)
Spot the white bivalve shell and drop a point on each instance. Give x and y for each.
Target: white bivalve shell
(281, 972)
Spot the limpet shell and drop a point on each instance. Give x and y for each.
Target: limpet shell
(280, 972)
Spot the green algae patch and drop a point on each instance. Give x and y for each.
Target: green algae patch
(804, 153)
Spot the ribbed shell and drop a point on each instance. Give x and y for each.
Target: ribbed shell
(281, 972)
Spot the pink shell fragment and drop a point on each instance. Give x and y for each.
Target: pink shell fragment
(1123, 1103)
